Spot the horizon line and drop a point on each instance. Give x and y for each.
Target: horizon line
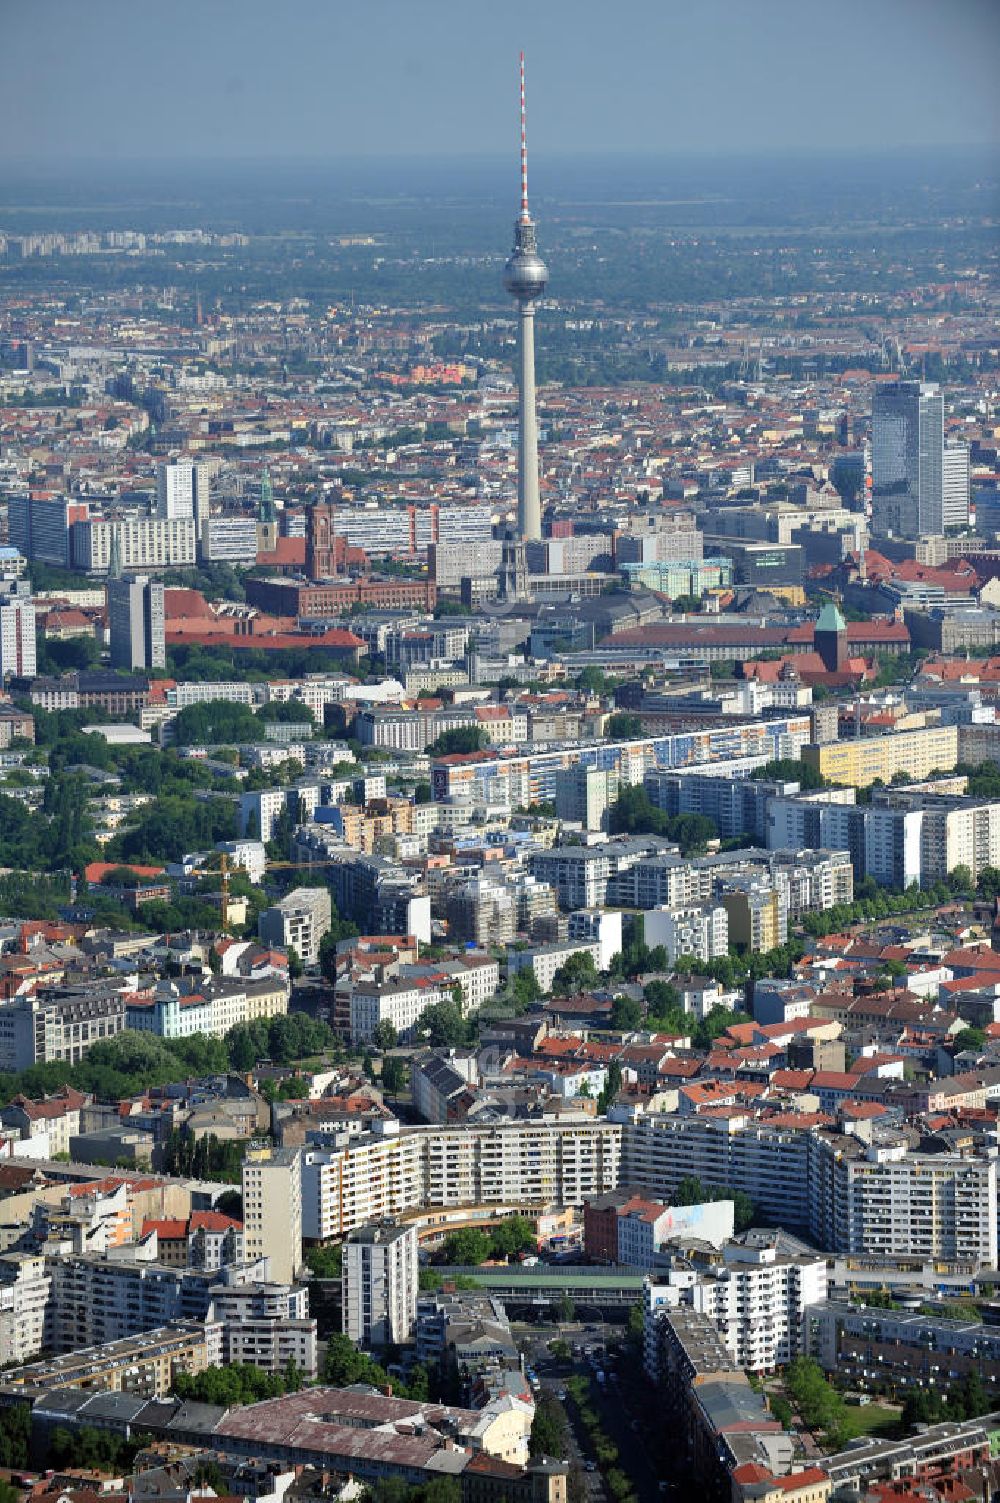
(644, 154)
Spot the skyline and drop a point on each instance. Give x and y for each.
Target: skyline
(386, 80)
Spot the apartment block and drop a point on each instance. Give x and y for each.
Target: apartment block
(298, 922)
(900, 1349)
(17, 637)
(757, 916)
(137, 623)
(858, 763)
(94, 1300)
(770, 1164)
(40, 526)
(759, 1299)
(400, 1003)
(272, 1184)
(25, 1288)
(145, 1363)
(700, 929)
(230, 540)
(584, 795)
(144, 544)
(380, 1284)
(488, 777)
(212, 1010)
(546, 961)
(183, 491)
(385, 1173)
(267, 1324)
(871, 1200)
(57, 1025)
(926, 1206)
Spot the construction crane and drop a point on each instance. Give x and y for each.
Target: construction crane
(220, 862)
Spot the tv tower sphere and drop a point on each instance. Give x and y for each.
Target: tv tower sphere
(524, 276)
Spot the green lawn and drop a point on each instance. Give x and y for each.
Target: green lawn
(870, 1419)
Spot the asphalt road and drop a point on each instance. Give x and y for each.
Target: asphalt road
(616, 1401)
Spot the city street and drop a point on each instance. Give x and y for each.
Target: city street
(618, 1403)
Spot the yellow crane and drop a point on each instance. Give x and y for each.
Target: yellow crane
(220, 862)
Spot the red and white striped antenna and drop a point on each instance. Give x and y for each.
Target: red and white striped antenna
(524, 152)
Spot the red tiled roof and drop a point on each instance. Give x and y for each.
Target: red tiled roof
(166, 1231)
(96, 871)
(213, 1221)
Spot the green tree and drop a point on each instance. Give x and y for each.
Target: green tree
(343, 1364)
(394, 1075)
(513, 1235)
(781, 1409)
(623, 726)
(633, 812)
(549, 1430)
(787, 770)
(325, 1262)
(816, 1400)
(466, 1246)
(15, 1436)
(612, 1085)
(626, 1014)
(460, 740)
(443, 1025)
(524, 989)
(385, 1035)
(577, 973)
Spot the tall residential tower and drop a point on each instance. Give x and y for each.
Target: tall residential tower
(524, 277)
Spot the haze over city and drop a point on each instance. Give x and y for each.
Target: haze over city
(250, 79)
(499, 752)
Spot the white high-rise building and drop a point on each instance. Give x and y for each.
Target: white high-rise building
(182, 491)
(380, 1273)
(955, 484)
(907, 459)
(17, 637)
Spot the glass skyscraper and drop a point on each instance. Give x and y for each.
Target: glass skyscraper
(907, 460)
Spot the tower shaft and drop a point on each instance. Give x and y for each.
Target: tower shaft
(529, 510)
(525, 277)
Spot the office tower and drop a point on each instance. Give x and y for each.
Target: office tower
(17, 636)
(39, 526)
(380, 1284)
(907, 460)
(525, 276)
(136, 619)
(182, 491)
(955, 485)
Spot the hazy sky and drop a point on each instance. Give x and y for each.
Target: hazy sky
(347, 78)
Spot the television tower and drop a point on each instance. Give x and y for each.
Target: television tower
(524, 277)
